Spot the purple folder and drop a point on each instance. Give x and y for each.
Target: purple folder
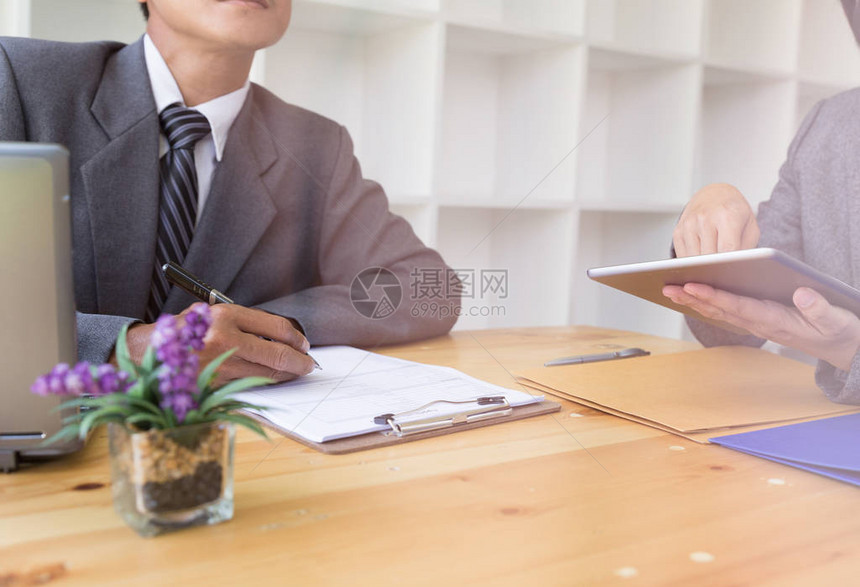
(829, 447)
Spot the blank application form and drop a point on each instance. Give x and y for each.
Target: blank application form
(354, 386)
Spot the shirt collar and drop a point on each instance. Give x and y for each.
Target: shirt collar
(220, 111)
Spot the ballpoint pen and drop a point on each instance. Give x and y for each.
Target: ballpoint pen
(200, 289)
(622, 354)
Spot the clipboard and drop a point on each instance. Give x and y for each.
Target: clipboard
(473, 415)
(362, 400)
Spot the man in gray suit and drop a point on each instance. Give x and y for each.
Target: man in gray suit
(814, 215)
(285, 219)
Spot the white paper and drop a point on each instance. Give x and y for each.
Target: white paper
(354, 386)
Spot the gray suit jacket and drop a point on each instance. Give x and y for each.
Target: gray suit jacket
(288, 224)
(813, 214)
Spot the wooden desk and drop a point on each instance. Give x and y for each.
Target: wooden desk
(574, 498)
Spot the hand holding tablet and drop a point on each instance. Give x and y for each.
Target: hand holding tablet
(760, 291)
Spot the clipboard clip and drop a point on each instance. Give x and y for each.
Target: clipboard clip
(494, 406)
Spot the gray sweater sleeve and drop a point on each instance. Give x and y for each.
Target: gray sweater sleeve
(780, 221)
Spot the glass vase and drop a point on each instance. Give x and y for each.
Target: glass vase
(166, 480)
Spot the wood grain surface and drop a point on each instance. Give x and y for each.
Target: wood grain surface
(573, 498)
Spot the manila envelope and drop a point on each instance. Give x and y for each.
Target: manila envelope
(697, 394)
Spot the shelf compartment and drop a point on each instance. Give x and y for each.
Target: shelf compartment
(746, 130)
(642, 124)
(753, 33)
(382, 6)
(422, 217)
(557, 16)
(85, 20)
(498, 204)
(616, 238)
(631, 206)
(828, 51)
(361, 18)
(652, 26)
(533, 246)
(15, 18)
(381, 84)
(509, 121)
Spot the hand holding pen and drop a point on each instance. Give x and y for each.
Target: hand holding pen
(266, 344)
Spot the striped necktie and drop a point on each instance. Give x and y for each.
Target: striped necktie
(177, 213)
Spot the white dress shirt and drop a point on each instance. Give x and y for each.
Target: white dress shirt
(220, 112)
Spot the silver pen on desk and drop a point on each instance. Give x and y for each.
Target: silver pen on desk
(200, 289)
(622, 354)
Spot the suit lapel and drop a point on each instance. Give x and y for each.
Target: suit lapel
(238, 210)
(121, 183)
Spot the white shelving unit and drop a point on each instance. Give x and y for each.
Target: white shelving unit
(541, 137)
(748, 119)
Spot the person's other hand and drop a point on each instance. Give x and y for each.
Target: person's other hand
(812, 325)
(282, 358)
(717, 219)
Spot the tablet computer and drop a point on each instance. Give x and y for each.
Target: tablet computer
(765, 274)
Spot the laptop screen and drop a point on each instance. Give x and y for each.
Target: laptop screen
(37, 317)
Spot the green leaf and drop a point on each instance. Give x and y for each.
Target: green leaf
(73, 419)
(144, 405)
(147, 365)
(170, 418)
(120, 400)
(208, 374)
(231, 388)
(245, 421)
(233, 405)
(140, 417)
(102, 416)
(241, 385)
(123, 359)
(137, 388)
(149, 388)
(83, 401)
(65, 433)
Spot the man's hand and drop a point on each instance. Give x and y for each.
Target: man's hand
(717, 219)
(813, 325)
(282, 358)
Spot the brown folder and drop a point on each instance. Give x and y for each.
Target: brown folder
(696, 394)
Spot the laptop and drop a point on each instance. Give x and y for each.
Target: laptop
(37, 314)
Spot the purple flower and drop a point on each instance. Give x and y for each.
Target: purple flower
(197, 323)
(177, 376)
(176, 373)
(165, 330)
(41, 386)
(172, 382)
(169, 348)
(108, 380)
(79, 380)
(180, 402)
(57, 379)
(54, 382)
